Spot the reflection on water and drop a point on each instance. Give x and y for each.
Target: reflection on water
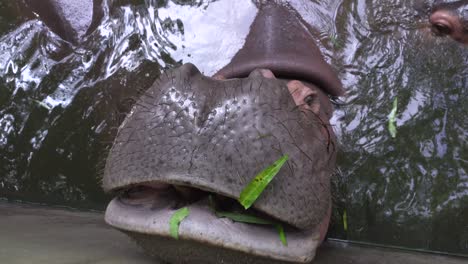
(411, 190)
(60, 105)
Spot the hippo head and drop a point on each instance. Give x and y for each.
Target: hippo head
(450, 18)
(196, 141)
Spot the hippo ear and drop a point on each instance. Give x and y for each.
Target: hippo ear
(280, 41)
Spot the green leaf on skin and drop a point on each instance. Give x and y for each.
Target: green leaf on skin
(253, 190)
(282, 234)
(175, 220)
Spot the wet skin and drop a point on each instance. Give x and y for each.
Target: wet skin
(450, 18)
(190, 136)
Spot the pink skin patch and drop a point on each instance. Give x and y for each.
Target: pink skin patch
(267, 74)
(219, 77)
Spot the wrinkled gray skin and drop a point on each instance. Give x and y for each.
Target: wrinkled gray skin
(450, 18)
(190, 137)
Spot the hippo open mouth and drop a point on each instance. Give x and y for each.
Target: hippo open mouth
(147, 209)
(195, 141)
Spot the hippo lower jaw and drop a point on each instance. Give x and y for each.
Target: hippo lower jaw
(147, 211)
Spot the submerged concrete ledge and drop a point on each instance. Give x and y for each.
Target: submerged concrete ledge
(38, 234)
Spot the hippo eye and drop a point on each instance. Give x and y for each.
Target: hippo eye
(309, 100)
(441, 29)
(313, 103)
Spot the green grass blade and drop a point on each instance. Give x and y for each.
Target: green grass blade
(345, 221)
(176, 218)
(250, 219)
(392, 119)
(282, 235)
(253, 190)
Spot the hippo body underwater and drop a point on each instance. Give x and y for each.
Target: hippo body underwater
(192, 139)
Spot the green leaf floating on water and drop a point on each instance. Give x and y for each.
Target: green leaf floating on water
(345, 221)
(176, 218)
(250, 219)
(253, 190)
(392, 119)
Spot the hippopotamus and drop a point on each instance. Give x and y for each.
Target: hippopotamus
(193, 140)
(450, 18)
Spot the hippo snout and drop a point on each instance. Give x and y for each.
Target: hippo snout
(215, 136)
(191, 136)
(196, 141)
